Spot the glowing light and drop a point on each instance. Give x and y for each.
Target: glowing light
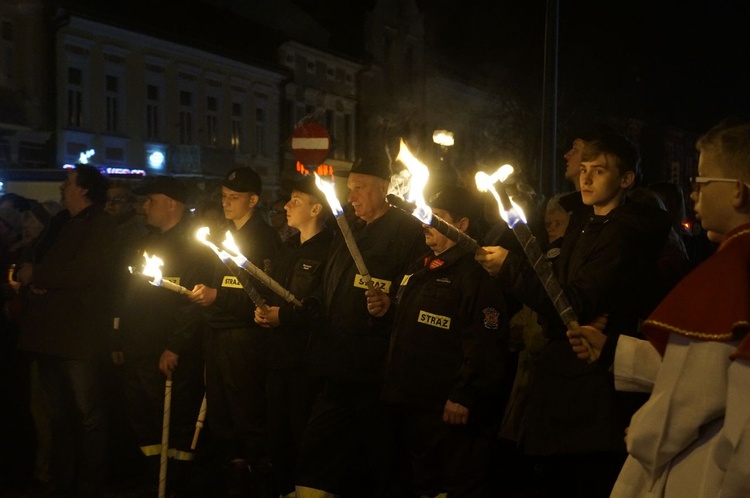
(418, 176)
(330, 193)
(443, 137)
(156, 160)
(83, 157)
(509, 210)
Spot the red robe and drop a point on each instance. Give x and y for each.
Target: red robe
(712, 302)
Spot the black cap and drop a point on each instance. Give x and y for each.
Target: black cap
(243, 179)
(167, 185)
(378, 165)
(458, 201)
(304, 183)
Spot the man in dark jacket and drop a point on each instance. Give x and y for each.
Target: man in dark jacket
(65, 326)
(446, 359)
(160, 332)
(575, 422)
(236, 346)
(347, 421)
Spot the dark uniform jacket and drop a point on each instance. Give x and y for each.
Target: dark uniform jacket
(233, 308)
(298, 268)
(607, 265)
(450, 334)
(154, 319)
(352, 344)
(74, 263)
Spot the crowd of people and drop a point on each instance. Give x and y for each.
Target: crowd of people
(388, 360)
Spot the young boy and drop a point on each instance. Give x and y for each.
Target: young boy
(574, 421)
(674, 441)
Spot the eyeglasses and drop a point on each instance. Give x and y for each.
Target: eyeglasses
(116, 200)
(697, 182)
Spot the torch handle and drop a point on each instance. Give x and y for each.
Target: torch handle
(351, 244)
(247, 286)
(269, 282)
(460, 238)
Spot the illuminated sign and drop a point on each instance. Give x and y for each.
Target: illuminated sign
(321, 170)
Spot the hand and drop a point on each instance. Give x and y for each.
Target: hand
(492, 259)
(203, 295)
(118, 357)
(455, 414)
(593, 334)
(378, 302)
(168, 362)
(269, 318)
(25, 273)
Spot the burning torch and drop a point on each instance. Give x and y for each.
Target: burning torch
(234, 253)
(516, 220)
(413, 202)
(152, 273)
(242, 277)
(338, 213)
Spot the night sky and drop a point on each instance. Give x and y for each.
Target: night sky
(670, 63)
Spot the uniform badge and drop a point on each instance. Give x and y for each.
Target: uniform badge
(491, 318)
(436, 263)
(553, 253)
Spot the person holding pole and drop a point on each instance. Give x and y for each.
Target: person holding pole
(347, 430)
(298, 268)
(691, 437)
(236, 347)
(575, 421)
(160, 334)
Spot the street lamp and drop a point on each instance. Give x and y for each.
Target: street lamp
(445, 174)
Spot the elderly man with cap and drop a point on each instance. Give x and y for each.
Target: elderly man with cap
(445, 367)
(236, 347)
(346, 426)
(298, 268)
(158, 333)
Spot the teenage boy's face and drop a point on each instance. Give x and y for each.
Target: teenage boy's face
(300, 209)
(237, 205)
(602, 185)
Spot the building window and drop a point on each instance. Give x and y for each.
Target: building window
(186, 118)
(152, 112)
(236, 126)
(112, 98)
(7, 60)
(261, 145)
(212, 118)
(310, 67)
(75, 97)
(330, 74)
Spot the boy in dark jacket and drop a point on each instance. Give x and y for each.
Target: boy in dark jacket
(575, 422)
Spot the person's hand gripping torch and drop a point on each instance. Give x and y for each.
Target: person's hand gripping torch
(242, 277)
(153, 275)
(516, 220)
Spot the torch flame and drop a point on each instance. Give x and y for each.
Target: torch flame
(330, 193)
(233, 252)
(202, 236)
(486, 183)
(152, 268)
(418, 180)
